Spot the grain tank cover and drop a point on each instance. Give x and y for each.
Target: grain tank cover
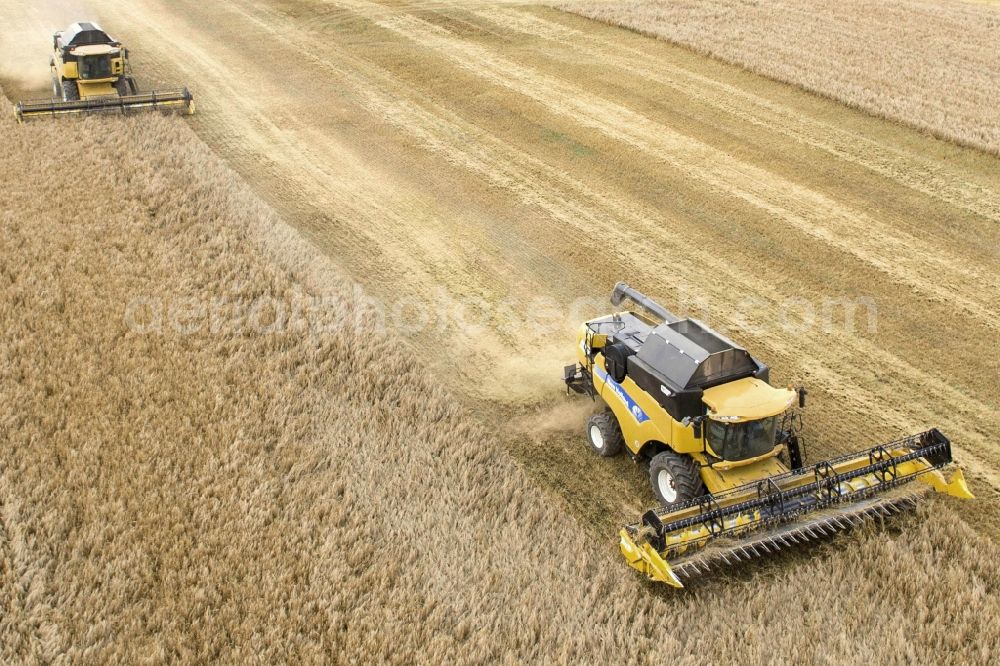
(85, 34)
(690, 355)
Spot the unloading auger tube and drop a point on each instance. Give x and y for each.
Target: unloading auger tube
(172, 101)
(759, 518)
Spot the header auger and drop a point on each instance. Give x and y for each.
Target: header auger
(91, 74)
(722, 445)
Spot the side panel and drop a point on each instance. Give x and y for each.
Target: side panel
(684, 439)
(642, 419)
(70, 70)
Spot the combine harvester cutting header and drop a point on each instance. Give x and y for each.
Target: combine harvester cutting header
(91, 74)
(724, 456)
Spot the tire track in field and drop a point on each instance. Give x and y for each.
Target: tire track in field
(902, 166)
(574, 204)
(901, 256)
(576, 207)
(505, 167)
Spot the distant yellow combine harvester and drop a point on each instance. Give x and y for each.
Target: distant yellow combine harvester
(91, 74)
(722, 446)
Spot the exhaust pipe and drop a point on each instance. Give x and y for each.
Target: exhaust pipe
(622, 291)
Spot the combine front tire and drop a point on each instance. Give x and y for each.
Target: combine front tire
(604, 435)
(71, 91)
(675, 478)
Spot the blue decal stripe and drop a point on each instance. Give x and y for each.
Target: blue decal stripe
(637, 413)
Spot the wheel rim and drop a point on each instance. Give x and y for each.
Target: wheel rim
(665, 482)
(596, 437)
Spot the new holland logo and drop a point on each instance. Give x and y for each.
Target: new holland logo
(623, 395)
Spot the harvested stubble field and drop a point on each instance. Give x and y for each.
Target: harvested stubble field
(931, 65)
(237, 493)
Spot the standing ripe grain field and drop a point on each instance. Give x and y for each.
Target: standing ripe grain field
(932, 65)
(213, 486)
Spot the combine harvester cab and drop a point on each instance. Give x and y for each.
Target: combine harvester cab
(91, 74)
(722, 445)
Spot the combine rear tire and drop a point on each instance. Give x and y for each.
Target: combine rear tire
(675, 478)
(71, 91)
(604, 435)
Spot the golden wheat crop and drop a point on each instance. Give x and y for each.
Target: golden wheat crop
(242, 491)
(934, 66)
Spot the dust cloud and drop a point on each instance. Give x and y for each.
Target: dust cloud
(564, 417)
(27, 44)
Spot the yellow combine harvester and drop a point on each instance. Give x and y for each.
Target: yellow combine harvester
(91, 74)
(722, 446)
